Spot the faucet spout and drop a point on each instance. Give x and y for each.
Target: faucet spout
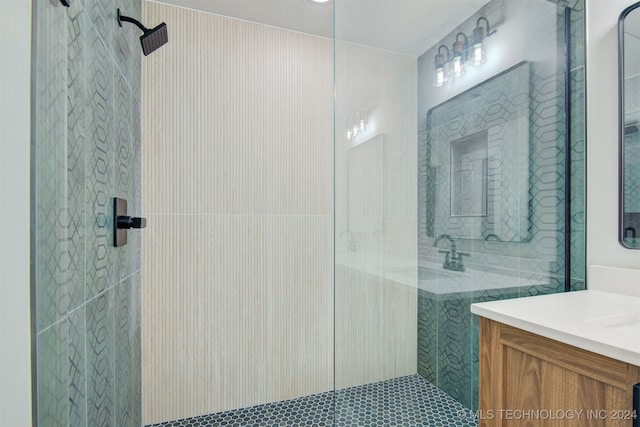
(444, 236)
(453, 259)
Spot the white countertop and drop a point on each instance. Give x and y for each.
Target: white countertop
(602, 322)
(432, 277)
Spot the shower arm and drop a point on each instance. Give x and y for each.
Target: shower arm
(133, 21)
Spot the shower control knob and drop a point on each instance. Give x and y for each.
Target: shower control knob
(123, 222)
(131, 222)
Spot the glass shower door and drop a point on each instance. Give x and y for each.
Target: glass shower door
(450, 189)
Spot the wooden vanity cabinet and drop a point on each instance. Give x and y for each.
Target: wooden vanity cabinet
(529, 380)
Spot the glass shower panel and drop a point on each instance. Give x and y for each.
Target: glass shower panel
(375, 221)
(479, 196)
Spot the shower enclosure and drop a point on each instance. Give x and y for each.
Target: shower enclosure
(322, 205)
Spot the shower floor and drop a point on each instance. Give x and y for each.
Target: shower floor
(409, 401)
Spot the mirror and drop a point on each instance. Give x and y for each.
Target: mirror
(366, 186)
(478, 161)
(629, 68)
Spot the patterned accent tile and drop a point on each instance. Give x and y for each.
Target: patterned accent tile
(125, 41)
(103, 17)
(53, 371)
(78, 163)
(403, 401)
(77, 368)
(51, 215)
(100, 153)
(76, 137)
(122, 166)
(100, 360)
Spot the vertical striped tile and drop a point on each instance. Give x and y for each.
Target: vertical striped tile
(237, 129)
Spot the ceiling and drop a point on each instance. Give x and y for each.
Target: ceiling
(403, 26)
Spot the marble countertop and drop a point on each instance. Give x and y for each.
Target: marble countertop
(606, 323)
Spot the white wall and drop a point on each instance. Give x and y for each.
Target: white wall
(602, 136)
(15, 354)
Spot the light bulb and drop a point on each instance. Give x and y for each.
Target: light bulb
(457, 66)
(439, 77)
(479, 56)
(349, 134)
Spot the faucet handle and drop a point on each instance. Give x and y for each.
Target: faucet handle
(458, 256)
(448, 253)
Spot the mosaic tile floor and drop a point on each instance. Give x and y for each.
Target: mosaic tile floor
(409, 401)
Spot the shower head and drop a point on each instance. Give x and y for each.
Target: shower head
(154, 38)
(151, 39)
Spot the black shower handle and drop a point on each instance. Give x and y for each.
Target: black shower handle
(127, 222)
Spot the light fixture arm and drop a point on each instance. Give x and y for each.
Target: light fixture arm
(447, 49)
(466, 40)
(485, 20)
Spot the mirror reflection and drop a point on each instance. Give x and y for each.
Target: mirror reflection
(630, 127)
(478, 162)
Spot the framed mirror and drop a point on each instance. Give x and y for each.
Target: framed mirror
(477, 168)
(629, 127)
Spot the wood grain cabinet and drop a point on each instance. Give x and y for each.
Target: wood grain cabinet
(529, 380)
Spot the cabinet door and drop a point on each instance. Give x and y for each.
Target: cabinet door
(528, 380)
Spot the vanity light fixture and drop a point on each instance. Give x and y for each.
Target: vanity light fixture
(451, 64)
(460, 48)
(441, 61)
(479, 56)
(320, 1)
(357, 123)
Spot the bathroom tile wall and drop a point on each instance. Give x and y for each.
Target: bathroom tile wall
(86, 150)
(237, 185)
(447, 332)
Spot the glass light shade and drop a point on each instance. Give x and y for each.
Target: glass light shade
(479, 56)
(458, 67)
(439, 77)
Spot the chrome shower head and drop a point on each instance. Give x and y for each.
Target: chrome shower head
(151, 39)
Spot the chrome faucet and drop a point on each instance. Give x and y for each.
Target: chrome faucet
(453, 259)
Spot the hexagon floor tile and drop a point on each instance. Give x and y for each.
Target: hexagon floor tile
(409, 401)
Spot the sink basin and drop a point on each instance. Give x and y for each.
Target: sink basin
(628, 323)
(424, 273)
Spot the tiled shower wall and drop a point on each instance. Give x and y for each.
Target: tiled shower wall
(237, 273)
(447, 332)
(86, 150)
